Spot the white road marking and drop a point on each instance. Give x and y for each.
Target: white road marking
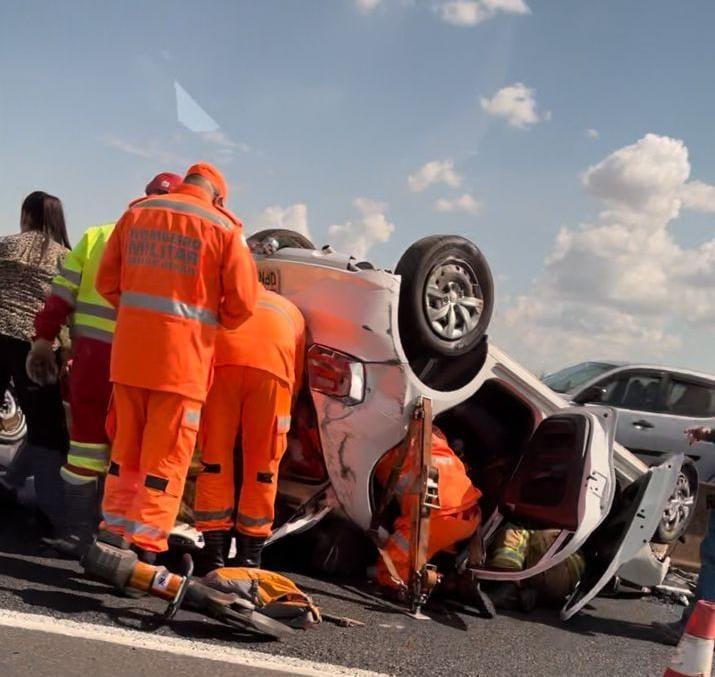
(173, 645)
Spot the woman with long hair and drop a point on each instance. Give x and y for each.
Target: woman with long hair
(28, 262)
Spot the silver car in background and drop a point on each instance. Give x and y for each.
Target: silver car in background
(655, 405)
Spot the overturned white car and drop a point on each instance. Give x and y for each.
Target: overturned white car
(379, 341)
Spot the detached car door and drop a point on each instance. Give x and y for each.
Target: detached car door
(565, 480)
(630, 526)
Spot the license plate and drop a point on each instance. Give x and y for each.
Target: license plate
(270, 278)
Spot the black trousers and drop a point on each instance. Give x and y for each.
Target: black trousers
(42, 405)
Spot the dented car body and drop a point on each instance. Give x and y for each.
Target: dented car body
(537, 459)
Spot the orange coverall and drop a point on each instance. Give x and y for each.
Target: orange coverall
(455, 520)
(258, 366)
(176, 267)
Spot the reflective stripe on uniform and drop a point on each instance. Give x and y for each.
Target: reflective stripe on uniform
(162, 304)
(75, 478)
(405, 483)
(267, 305)
(93, 451)
(209, 516)
(248, 521)
(64, 293)
(71, 275)
(132, 527)
(185, 208)
(148, 530)
(400, 542)
(94, 309)
(283, 423)
(91, 332)
(118, 521)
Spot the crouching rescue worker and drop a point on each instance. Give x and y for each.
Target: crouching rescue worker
(258, 369)
(457, 518)
(176, 267)
(74, 300)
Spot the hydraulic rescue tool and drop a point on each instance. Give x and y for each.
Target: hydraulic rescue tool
(424, 496)
(111, 560)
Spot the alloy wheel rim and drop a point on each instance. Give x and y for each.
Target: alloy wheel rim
(453, 301)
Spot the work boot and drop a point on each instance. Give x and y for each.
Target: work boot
(249, 550)
(214, 553)
(82, 501)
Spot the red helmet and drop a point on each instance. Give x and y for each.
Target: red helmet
(163, 183)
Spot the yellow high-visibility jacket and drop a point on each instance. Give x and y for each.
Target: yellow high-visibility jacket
(93, 316)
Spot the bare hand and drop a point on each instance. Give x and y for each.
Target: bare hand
(41, 365)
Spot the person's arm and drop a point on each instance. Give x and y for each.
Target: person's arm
(61, 302)
(239, 281)
(109, 275)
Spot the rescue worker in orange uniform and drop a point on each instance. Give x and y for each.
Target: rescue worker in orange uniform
(74, 299)
(259, 367)
(176, 267)
(457, 518)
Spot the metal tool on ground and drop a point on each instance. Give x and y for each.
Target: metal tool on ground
(120, 566)
(694, 654)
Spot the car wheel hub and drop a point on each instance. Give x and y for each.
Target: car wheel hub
(453, 301)
(680, 504)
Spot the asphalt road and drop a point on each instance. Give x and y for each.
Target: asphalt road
(53, 621)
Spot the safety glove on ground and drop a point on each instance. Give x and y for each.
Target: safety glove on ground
(41, 364)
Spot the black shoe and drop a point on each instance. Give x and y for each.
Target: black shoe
(214, 553)
(249, 550)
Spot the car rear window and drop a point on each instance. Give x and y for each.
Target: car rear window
(695, 400)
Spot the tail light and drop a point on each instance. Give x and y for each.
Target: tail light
(336, 374)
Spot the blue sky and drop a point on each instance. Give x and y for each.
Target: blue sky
(321, 103)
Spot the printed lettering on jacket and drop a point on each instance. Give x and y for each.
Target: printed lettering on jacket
(164, 250)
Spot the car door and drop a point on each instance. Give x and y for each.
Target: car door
(565, 480)
(638, 395)
(630, 527)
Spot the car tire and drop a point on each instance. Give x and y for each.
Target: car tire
(285, 238)
(681, 508)
(13, 426)
(438, 272)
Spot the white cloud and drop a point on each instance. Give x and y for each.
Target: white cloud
(294, 217)
(621, 286)
(592, 133)
(358, 236)
(437, 171)
(516, 104)
(698, 196)
(464, 203)
(366, 6)
(473, 12)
